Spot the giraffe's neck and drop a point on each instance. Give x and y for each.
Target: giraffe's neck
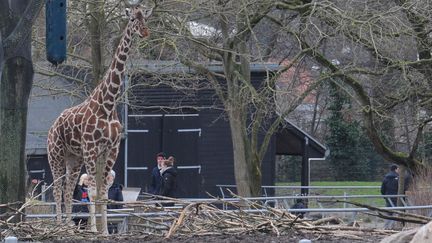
(107, 92)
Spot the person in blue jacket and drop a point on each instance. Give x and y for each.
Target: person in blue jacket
(156, 178)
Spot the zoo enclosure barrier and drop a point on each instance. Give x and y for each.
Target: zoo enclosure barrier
(281, 202)
(267, 190)
(270, 190)
(265, 201)
(122, 215)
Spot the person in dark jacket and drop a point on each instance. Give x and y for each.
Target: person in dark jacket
(299, 205)
(81, 195)
(156, 178)
(169, 174)
(390, 186)
(115, 193)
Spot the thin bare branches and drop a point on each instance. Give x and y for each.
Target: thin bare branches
(188, 219)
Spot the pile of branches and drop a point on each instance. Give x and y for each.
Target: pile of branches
(151, 218)
(199, 219)
(40, 230)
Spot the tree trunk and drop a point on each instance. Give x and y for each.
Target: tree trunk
(95, 25)
(241, 169)
(401, 183)
(256, 176)
(247, 168)
(16, 82)
(16, 78)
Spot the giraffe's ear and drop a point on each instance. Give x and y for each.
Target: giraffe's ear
(128, 12)
(147, 12)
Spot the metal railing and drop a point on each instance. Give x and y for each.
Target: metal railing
(111, 213)
(170, 213)
(223, 189)
(265, 189)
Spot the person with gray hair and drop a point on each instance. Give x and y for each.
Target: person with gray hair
(115, 193)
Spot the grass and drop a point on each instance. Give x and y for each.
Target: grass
(363, 191)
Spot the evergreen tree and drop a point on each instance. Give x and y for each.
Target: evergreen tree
(352, 156)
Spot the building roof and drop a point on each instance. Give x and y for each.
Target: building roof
(290, 140)
(176, 67)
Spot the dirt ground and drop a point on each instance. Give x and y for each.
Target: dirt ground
(260, 237)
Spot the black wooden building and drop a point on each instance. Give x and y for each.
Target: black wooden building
(195, 133)
(198, 136)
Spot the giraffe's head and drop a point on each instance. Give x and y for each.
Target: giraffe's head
(138, 16)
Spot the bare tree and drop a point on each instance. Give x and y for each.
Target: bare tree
(378, 52)
(16, 71)
(229, 32)
(383, 62)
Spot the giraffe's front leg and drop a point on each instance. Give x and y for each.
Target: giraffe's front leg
(103, 207)
(104, 216)
(90, 156)
(92, 210)
(92, 207)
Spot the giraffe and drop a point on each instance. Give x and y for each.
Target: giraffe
(90, 131)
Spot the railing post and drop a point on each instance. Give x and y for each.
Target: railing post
(345, 204)
(43, 196)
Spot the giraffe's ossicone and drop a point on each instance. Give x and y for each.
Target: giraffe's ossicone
(91, 131)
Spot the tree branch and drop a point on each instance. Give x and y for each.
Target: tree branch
(22, 30)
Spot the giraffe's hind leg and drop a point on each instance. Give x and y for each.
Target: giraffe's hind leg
(73, 168)
(58, 169)
(90, 156)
